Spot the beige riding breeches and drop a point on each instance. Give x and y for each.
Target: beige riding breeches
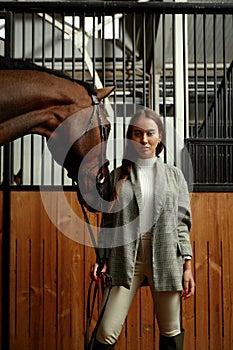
(166, 304)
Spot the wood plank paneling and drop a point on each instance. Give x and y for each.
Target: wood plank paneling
(50, 277)
(47, 276)
(0, 265)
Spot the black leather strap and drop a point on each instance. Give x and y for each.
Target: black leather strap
(106, 281)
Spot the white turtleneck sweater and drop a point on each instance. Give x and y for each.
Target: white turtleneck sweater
(146, 177)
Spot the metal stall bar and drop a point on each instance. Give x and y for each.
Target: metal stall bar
(215, 110)
(6, 220)
(206, 131)
(195, 75)
(164, 75)
(225, 101)
(184, 29)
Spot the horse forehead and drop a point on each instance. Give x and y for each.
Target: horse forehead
(87, 118)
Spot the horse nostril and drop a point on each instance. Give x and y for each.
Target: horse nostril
(100, 179)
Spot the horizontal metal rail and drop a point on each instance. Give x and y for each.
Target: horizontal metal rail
(118, 6)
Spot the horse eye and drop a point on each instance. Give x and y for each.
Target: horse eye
(100, 178)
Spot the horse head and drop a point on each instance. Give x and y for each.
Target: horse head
(67, 112)
(79, 145)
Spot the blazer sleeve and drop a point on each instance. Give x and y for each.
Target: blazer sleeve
(184, 216)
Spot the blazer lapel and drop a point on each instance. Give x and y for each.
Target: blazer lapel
(136, 187)
(160, 189)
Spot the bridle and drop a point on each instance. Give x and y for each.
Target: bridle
(104, 131)
(99, 182)
(100, 179)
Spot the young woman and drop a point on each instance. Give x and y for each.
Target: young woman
(145, 235)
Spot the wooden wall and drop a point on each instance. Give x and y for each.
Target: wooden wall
(50, 276)
(0, 265)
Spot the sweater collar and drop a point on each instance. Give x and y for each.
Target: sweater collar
(147, 162)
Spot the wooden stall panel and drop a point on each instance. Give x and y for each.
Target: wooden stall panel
(50, 277)
(48, 271)
(225, 216)
(1, 265)
(207, 318)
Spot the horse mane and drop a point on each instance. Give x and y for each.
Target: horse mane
(16, 63)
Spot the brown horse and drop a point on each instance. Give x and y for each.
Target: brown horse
(35, 100)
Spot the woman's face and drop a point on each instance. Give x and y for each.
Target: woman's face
(146, 137)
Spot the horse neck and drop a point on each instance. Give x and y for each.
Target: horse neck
(42, 122)
(16, 127)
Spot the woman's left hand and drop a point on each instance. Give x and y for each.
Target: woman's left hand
(189, 284)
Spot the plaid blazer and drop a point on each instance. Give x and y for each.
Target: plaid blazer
(119, 235)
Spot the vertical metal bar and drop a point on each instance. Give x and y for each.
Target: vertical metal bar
(217, 163)
(53, 64)
(230, 165)
(42, 140)
(115, 84)
(63, 43)
(164, 78)
(222, 113)
(42, 161)
(174, 85)
(195, 75)
(43, 39)
(33, 37)
(225, 125)
(185, 77)
(225, 93)
(63, 69)
(134, 58)
(73, 45)
(93, 50)
(83, 17)
(154, 78)
(196, 151)
(23, 35)
(6, 220)
(229, 103)
(206, 116)
(22, 159)
(32, 160)
(144, 95)
(215, 120)
(206, 129)
(103, 51)
(231, 108)
(53, 40)
(124, 70)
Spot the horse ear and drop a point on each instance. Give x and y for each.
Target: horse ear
(104, 92)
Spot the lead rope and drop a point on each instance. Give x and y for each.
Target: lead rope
(89, 340)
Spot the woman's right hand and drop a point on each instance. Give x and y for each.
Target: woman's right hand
(96, 271)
